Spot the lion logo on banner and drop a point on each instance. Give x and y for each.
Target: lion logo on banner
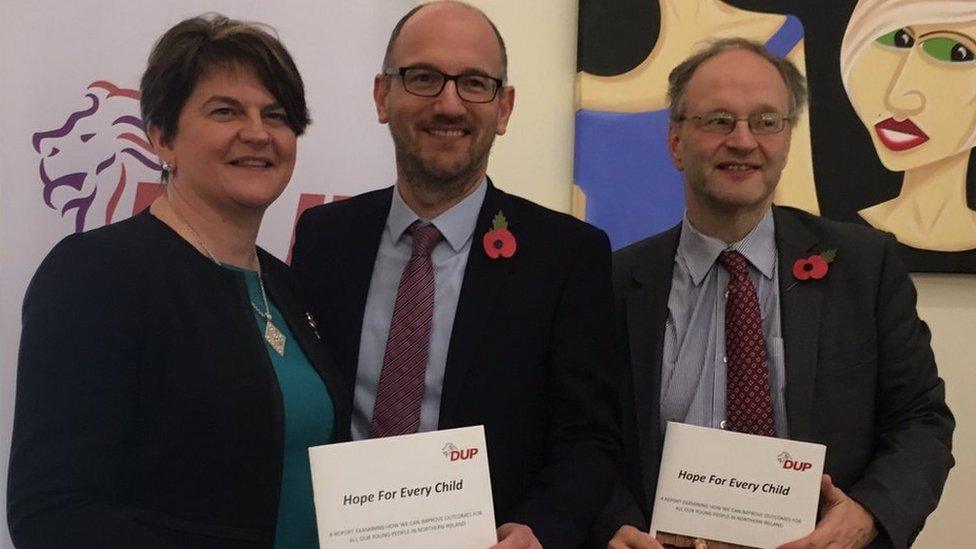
(99, 165)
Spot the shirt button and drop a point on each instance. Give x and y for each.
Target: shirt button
(725, 360)
(726, 294)
(723, 424)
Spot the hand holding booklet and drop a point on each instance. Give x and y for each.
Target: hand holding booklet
(735, 488)
(429, 490)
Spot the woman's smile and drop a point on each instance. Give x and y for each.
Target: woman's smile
(900, 135)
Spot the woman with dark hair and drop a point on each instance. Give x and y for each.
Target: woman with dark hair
(170, 381)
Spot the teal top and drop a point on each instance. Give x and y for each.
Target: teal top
(308, 422)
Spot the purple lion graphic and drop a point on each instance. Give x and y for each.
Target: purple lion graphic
(89, 163)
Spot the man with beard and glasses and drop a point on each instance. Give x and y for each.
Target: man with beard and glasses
(451, 303)
(771, 321)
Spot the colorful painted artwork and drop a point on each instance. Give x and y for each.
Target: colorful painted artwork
(887, 140)
(909, 69)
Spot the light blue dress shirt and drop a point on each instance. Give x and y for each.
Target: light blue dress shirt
(693, 369)
(449, 257)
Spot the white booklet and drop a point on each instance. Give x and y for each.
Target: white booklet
(735, 488)
(427, 490)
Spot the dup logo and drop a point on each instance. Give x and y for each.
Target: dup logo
(787, 462)
(453, 453)
(98, 166)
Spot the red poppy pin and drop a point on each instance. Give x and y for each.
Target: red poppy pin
(814, 267)
(499, 241)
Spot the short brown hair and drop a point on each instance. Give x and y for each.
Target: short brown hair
(193, 46)
(388, 56)
(678, 80)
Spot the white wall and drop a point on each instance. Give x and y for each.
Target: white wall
(948, 304)
(535, 160)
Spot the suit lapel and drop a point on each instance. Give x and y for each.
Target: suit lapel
(646, 315)
(315, 349)
(356, 266)
(483, 279)
(800, 309)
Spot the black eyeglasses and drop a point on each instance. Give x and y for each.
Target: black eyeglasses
(473, 88)
(722, 122)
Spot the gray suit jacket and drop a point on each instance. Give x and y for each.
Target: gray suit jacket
(860, 373)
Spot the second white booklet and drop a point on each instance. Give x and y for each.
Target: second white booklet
(736, 488)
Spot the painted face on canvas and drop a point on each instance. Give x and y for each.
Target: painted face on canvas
(914, 89)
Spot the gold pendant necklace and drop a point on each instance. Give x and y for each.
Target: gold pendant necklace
(272, 335)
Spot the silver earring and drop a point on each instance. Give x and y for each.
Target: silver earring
(166, 167)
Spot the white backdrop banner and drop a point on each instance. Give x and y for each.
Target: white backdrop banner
(74, 155)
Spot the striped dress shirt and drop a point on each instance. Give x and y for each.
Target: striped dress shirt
(693, 369)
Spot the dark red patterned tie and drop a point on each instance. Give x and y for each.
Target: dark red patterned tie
(748, 407)
(401, 387)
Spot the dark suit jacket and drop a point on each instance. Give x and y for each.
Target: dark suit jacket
(148, 412)
(860, 374)
(528, 351)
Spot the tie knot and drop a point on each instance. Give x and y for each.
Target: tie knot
(425, 237)
(734, 262)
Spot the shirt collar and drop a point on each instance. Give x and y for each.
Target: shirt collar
(698, 251)
(456, 224)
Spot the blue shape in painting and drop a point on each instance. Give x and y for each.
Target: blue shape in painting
(622, 164)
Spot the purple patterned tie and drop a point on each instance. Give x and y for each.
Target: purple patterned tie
(748, 406)
(401, 386)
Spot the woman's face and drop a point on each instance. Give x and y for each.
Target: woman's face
(915, 90)
(233, 148)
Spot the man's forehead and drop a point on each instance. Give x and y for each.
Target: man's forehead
(448, 36)
(741, 75)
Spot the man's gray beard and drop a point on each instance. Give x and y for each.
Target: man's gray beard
(447, 183)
